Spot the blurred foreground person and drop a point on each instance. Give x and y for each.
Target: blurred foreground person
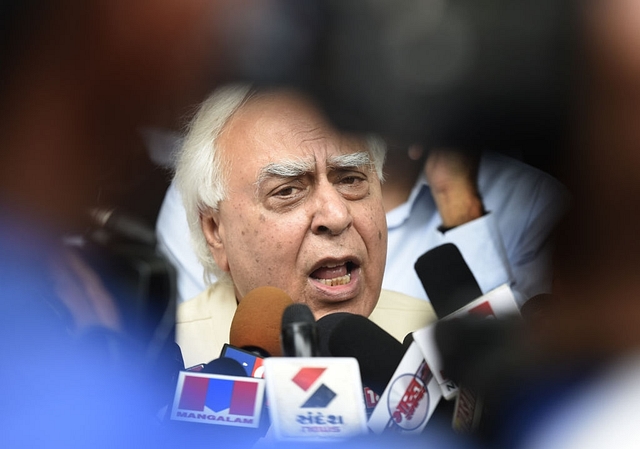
(78, 79)
(572, 380)
(598, 316)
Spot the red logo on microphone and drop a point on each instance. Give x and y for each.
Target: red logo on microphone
(408, 400)
(305, 378)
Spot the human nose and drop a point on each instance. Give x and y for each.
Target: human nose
(332, 214)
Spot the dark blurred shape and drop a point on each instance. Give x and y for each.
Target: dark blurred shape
(458, 73)
(536, 309)
(475, 351)
(121, 249)
(86, 308)
(488, 360)
(518, 381)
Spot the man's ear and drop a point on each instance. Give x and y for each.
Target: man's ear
(213, 232)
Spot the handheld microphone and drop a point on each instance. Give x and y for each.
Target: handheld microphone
(256, 325)
(312, 398)
(299, 335)
(377, 352)
(220, 394)
(408, 339)
(251, 363)
(447, 279)
(410, 398)
(455, 293)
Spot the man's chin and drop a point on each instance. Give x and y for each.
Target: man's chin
(353, 306)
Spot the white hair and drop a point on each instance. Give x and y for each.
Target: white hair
(201, 174)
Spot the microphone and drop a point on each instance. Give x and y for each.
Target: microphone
(256, 325)
(378, 353)
(299, 335)
(408, 339)
(125, 225)
(225, 366)
(447, 279)
(220, 394)
(325, 326)
(455, 293)
(490, 359)
(410, 398)
(250, 362)
(312, 398)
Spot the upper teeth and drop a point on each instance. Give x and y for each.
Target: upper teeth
(333, 265)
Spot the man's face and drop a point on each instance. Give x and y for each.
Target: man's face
(304, 209)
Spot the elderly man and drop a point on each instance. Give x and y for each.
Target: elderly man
(497, 210)
(275, 196)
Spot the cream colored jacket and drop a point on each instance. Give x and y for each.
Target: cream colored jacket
(203, 323)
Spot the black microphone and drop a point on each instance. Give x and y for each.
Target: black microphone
(299, 335)
(447, 279)
(408, 339)
(325, 326)
(377, 352)
(225, 366)
(124, 225)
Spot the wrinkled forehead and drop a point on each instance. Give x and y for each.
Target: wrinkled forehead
(291, 119)
(286, 131)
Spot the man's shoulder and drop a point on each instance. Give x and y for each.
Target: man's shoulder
(203, 323)
(504, 181)
(497, 168)
(400, 314)
(392, 300)
(211, 301)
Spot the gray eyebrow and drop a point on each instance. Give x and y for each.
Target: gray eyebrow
(291, 168)
(359, 159)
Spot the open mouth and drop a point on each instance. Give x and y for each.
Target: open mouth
(334, 274)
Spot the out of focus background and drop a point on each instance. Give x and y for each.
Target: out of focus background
(95, 97)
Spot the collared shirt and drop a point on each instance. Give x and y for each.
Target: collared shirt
(509, 244)
(203, 323)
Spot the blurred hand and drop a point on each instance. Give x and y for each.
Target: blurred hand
(83, 293)
(452, 176)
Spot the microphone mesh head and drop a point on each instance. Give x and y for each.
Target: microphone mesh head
(258, 318)
(377, 352)
(447, 279)
(297, 313)
(326, 324)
